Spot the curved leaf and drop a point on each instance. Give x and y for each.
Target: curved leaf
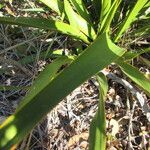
(44, 24)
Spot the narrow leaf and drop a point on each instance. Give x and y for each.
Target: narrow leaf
(104, 24)
(44, 24)
(146, 61)
(78, 22)
(143, 31)
(81, 9)
(133, 54)
(70, 14)
(98, 124)
(106, 5)
(135, 75)
(45, 78)
(130, 18)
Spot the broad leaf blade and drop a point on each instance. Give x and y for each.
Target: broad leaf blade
(44, 24)
(45, 78)
(98, 124)
(96, 57)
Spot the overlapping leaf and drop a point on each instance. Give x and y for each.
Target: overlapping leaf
(143, 31)
(53, 85)
(78, 22)
(105, 7)
(45, 24)
(36, 104)
(81, 9)
(106, 18)
(130, 18)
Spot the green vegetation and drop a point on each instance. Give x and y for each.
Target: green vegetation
(102, 48)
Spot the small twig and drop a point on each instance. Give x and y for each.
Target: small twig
(40, 136)
(130, 125)
(29, 141)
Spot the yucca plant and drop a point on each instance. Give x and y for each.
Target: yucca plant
(75, 20)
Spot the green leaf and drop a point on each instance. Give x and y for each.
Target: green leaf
(43, 99)
(130, 18)
(147, 4)
(81, 9)
(143, 31)
(45, 78)
(44, 24)
(135, 75)
(78, 22)
(70, 14)
(105, 22)
(1, 6)
(98, 124)
(146, 61)
(106, 5)
(56, 5)
(133, 54)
